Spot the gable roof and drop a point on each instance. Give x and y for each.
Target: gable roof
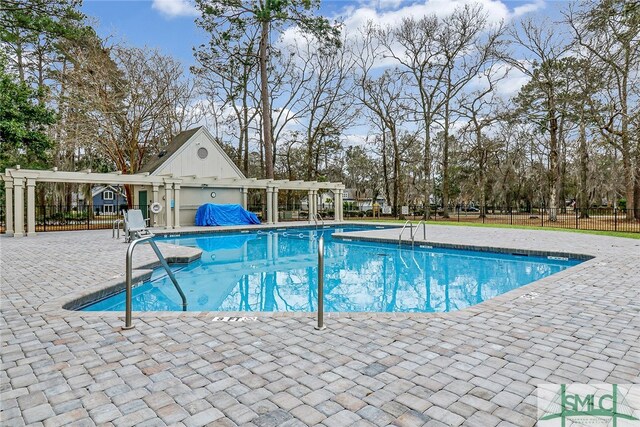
(102, 188)
(176, 143)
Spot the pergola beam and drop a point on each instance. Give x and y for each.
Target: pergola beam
(18, 181)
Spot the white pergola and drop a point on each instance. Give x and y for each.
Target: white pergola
(17, 181)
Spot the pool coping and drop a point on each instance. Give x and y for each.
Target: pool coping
(494, 249)
(187, 231)
(141, 273)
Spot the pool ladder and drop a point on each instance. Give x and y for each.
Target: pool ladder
(129, 273)
(411, 233)
(404, 227)
(424, 231)
(317, 217)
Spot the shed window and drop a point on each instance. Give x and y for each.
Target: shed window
(109, 209)
(107, 195)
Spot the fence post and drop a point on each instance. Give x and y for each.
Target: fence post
(89, 209)
(615, 219)
(484, 213)
(576, 210)
(510, 216)
(44, 218)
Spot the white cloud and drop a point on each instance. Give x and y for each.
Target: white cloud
(391, 12)
(529, 8)
(354, 18)
(173, 8)
(510, 85)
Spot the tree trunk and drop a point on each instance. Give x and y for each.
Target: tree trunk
(426, 165)
(246, 144)
(553, 163)
(243, 126)
(445, 165)
(481, 170)
(396, 169)
(636, 199)
(385, 173)
(583, 198)
(267, 131)
(309, 173)
(19, 60)
(626, 151)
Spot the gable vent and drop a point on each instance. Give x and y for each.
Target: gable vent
(202, 153)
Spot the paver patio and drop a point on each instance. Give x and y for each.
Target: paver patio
(476, 367)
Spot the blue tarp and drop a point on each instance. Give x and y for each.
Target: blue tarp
(210, 214)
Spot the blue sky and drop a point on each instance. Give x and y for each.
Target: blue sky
(169, 24)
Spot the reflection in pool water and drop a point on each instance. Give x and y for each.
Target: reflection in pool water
(277, 271)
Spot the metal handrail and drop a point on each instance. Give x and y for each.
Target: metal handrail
(315, 219)
(320, 326)
(410, 224)
(129, 272)
(424, 231)
(116, 226)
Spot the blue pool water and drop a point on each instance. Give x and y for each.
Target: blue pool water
(277, 271)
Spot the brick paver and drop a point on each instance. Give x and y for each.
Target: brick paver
(478, 366)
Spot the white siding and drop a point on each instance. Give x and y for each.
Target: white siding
(185, 162)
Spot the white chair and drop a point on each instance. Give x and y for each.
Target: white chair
(135, 225)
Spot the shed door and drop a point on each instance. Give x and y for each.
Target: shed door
(142, 201)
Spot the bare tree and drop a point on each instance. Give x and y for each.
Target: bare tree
(468, 47)
(131, 103)
(542, 47)
(482, 108)
(329, 107)
(228, 78)
(414, 45)
(384, 99)
(609, 32)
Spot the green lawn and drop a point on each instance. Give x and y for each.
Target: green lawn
(523, 227)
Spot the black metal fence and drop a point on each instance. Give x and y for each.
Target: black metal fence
(83, 217)
(596, 219)
(293, 211)
(88, 217)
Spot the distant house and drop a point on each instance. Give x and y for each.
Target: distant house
(108, 199)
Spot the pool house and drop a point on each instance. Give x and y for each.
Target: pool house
(192, 170)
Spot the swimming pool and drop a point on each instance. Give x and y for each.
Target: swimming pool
(277, 271)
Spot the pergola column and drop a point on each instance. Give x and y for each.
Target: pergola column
(341, 205)
(245, 192)
(310, 205)
(154, 193)
(336, 205)
(269, 205)
(176, 206)
(31, 207)
(18, 206)
(167, 202)
(315, 203)
(275, 205)
(8, 186)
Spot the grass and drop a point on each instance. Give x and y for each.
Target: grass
(521, 227)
